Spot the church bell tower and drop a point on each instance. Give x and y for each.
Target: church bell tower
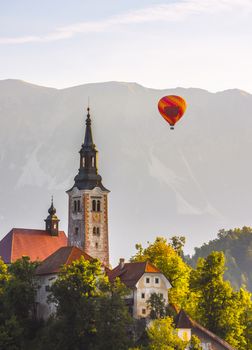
(88, 204)
(52, 221)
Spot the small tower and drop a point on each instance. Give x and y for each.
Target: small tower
(52, 221)
(88, 204)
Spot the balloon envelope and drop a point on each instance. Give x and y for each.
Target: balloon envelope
(172, 108)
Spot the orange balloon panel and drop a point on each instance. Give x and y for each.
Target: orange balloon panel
(172, 108)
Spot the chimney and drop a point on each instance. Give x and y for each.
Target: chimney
(121, 263)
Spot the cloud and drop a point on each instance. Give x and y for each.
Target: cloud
(175, 11)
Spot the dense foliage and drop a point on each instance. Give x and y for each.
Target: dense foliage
(164, 256)
(162, 336)
(18, 324)
(218, 306)
(236, 244)
(202, 291)
(91, 313)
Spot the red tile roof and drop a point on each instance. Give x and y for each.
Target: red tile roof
(64, 255)
(37, 244)
(182, 320)
(132, 272)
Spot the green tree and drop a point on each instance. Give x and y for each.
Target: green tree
(162, 255)
(91, 312)
(236, 244)
(17, 304)
(195, 343)
(11, 334)
(162, 336)
(219, 307)
(248, 330)
(156, 304)
(4, 277)
(114, 321)
(178, 244)
(10, 329)
(21, 289)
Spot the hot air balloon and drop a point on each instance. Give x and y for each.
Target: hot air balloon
(172, 108)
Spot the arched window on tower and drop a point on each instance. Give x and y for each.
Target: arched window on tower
(78, 206)
(75, 206)
(83, 162)
(94, 231)
(93, 161)
(98, 205)
(98, 231)
(94, 205)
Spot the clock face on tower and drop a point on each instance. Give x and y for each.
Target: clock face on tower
(96, 217)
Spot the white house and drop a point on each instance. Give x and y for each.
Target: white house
(48, 272)
(143, 279)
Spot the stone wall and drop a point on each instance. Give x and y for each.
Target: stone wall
(44, 309)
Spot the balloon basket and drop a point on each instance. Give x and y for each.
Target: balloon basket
(172, 127)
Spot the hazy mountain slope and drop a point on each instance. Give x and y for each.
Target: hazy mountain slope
(190, 181)
(237, 247)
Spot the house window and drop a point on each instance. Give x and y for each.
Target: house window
(94, 205)
(98, 205)
(47, 288)
(156, 280)
(78, 205)
(143, 295)
(143, 311)
(147, 280)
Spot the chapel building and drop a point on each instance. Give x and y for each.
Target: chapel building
(37, 244)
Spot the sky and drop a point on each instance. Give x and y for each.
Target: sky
(158, 44)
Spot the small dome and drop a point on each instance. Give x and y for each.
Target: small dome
(52, 210)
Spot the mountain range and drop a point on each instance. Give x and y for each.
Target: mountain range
(191, 181)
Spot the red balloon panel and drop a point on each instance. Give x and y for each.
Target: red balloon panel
(172, 108)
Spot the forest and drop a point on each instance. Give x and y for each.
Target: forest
(91, 312)
(236, 244)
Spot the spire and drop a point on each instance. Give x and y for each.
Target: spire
(88, 140)
(88, 177)
(52, 221)
(52, 210)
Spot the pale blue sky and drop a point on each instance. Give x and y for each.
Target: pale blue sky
(160, 44)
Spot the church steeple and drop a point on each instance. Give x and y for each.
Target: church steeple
(88, 140)
(88, 203)
(52, 221)
(88, 177)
